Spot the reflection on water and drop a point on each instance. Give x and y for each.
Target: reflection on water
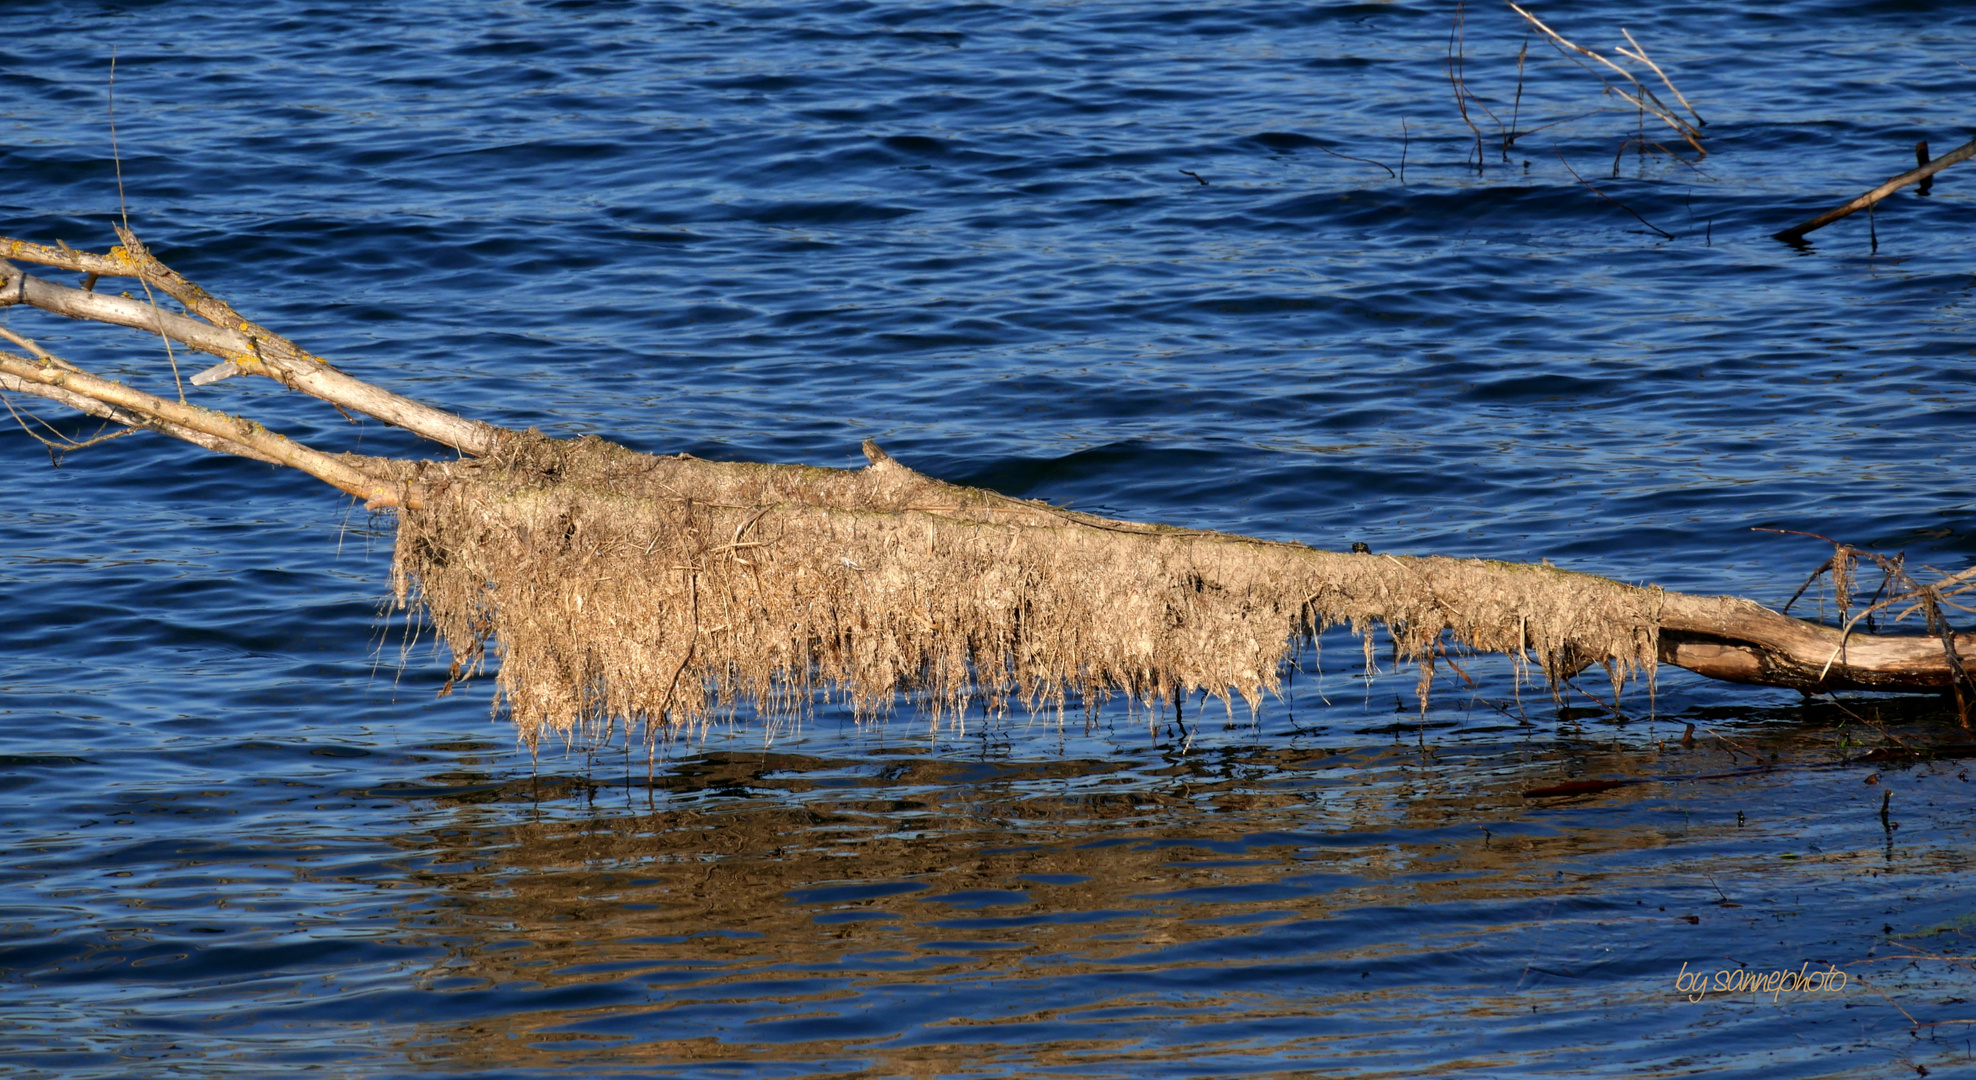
(1323, 888)
(1246, 905)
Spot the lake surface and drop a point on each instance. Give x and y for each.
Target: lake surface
(1101, 253)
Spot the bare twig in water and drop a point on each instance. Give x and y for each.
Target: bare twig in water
(1195, 175)
(1885, 735)
(1608, 198)
(1406, 140)
(1641, 96)
(1657, 148)
(1797, 232)
(1348, 157)
(1560, 123)
(1516, 106)
(1639, 53)
(1456, 64)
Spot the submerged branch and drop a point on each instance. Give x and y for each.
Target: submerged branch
(619, 587)
(1927, 169)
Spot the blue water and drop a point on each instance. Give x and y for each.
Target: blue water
(243, 835)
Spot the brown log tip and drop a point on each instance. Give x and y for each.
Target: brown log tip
(1577, 787)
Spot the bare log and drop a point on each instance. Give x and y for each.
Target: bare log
(1741, 641)
(1964, 152)
(618, 587)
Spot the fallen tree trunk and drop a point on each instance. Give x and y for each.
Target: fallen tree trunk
(615, 587)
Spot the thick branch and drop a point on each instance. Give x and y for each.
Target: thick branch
(276, 448)
(1737, 640)
(255, 349)
(17, 287)
(92, 407)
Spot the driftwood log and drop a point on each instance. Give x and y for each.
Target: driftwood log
(1920, 174)
(617, 588)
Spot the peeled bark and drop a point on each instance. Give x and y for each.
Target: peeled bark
(617, 587)
(1738, 640)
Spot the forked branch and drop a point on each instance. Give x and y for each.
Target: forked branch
(1641, 96)
(247, 346)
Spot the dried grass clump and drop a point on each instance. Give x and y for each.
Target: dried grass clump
(621, 588)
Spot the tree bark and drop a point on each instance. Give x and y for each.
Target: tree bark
(1741, 641)
(118, 414)
(246, 434)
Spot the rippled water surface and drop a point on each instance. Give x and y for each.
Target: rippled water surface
(1105, 253)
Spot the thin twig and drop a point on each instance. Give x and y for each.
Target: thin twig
(1879, 727)
(1516, 107)
(1457, 48)
(123, 211)
(1644, 143)
(39, 352)
(1566, 120)
(1348, 157)
(1822, 567)
(1608, 198)
(1644, 99)
(1926, 598)
(66, 445)
(1640, 54)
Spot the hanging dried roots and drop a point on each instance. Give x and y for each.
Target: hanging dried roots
(620, 588)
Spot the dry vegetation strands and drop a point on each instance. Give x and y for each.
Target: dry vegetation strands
(614, 588)
(627, 588)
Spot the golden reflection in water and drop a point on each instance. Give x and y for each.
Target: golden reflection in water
(1294, 903)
